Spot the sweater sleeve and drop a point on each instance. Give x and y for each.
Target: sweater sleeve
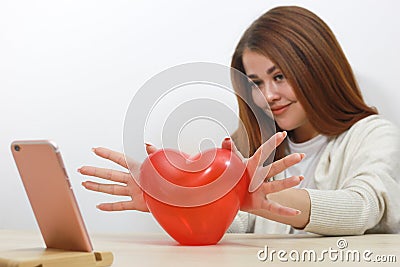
(364, 184)
(243, 223)
(343, 212)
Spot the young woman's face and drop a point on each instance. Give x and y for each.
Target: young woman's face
(274, 89)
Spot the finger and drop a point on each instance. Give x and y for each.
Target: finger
(263, 152)
(108, 174)
(259, 178)
(150, 148)
(273, 169)
(284, 163)
(109, 154)
(227, 143)
(255, 163)
(263, 173)
(279, 185)
(278, 209)
(111, 189)
(117, 206)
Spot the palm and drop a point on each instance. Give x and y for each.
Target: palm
(128, 188)
(259, 187)
(137, 195)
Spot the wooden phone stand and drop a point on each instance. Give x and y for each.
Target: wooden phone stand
(42, 257)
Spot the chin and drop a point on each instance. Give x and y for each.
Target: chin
(285, 126)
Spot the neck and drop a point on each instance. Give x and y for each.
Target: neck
(303, 133)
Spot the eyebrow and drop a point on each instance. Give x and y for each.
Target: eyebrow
(269, 71)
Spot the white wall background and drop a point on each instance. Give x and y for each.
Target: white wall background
(68, 70)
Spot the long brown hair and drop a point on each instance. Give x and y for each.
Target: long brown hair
(310, 57)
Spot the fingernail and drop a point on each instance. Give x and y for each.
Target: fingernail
(283, 134)
(227, 138)
(79, 170)
(302, 155)
(148, 144)
(94, 150)
(83, 184)
(301, 178)
(298, 212)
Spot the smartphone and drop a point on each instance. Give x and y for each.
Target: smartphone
(50, 194)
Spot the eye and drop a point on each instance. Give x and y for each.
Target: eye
(279, 77)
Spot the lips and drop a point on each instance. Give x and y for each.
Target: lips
(277, 110)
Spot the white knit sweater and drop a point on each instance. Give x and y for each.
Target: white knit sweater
(357, 185)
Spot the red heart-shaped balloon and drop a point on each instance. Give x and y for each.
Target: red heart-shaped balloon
(195, 200)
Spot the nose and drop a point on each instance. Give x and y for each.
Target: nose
(270, 92)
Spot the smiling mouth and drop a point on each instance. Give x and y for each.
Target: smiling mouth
(280, 109)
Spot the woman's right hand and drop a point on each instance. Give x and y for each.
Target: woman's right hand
(124, 184)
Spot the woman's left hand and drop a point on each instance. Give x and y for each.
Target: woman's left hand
(259, 188)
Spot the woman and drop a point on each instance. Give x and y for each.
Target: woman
(351, 172)
(352, 165)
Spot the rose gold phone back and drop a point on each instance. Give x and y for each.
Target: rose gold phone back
(50, 194)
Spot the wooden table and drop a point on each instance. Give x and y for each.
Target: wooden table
(234, 249)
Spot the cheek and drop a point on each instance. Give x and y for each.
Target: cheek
(258, 98)
(293, 119)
